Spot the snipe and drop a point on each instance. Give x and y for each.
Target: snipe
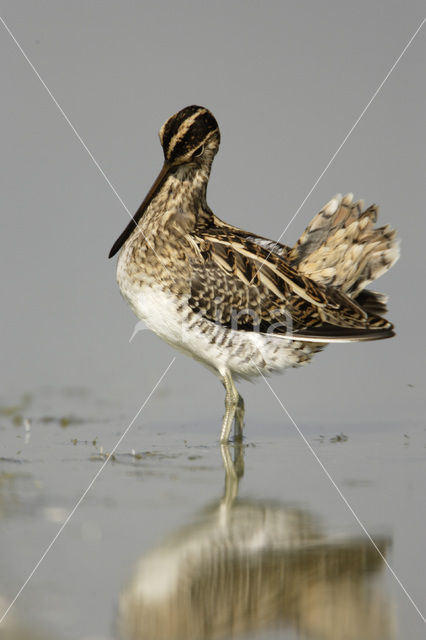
(242, 304)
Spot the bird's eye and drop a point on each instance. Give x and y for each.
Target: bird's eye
(199, 152)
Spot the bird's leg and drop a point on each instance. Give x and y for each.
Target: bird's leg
(234, 470)
(239, 420)
(239, 458)
(234, 408)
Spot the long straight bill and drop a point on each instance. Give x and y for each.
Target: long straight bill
(162, 176)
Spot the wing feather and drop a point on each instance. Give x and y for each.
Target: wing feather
(260, 290)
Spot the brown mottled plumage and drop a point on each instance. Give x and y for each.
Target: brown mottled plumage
(242, 304)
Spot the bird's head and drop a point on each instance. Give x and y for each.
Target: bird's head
(190, 136)
(190, 140)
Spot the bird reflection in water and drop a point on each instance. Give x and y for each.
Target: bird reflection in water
(246, 566)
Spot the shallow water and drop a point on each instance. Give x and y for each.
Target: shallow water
(175, 541)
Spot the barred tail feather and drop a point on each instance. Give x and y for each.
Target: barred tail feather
(342, 248)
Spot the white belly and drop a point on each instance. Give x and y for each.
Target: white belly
(222, 349)
(244, 353)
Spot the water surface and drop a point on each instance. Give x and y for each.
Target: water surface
(175, 540)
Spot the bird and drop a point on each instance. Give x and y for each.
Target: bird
(241, 304)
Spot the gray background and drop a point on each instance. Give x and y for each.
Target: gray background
(286, 83)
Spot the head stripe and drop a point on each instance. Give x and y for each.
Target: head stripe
(183, 129)
(174, 122)
(192, 140)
